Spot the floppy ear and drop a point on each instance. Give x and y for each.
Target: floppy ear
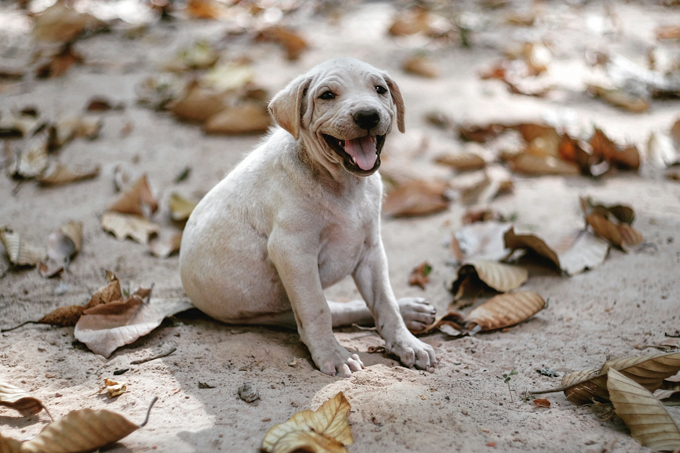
(286, 107)
(397, 100)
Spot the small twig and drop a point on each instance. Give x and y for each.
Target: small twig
(139, 362)
(148, 297)
(148, 411)
(671, 336)
(20, 325)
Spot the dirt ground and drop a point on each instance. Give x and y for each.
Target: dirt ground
(464, 405)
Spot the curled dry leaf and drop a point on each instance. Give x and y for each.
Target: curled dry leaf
(164, 247)
(416, 198)
(61, 246)
(180, 207)
(292, 42)
(621, 235)
(15, 398)
(29, 157)
(626, 158)
(249, 117)
(107, 327)
(20, 252)
(81, 430)
(648, 420)
(58, 174)
(419, 275)
(535, 165)
(421, 66)
(137, 199)
(581, 388)
(498, 276)
(123, 226)
(462, 161)
(62, 23)
(114, 388)
(619, 97)
(108, 293)
(325, 430)
(504, 310)
(199, 104)
(65, 130)
(667, 391)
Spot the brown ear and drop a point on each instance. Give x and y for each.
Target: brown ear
(397, 100)
(286, 107)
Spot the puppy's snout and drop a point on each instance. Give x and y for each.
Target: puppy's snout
(367, 119)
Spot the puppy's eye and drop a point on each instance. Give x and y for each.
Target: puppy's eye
(381, 89)
(327, 95)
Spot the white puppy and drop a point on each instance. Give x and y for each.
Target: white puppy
(300, 213)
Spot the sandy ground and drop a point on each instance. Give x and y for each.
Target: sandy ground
(628, 302)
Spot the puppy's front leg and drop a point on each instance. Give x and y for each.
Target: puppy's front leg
(372, 280)
(296, 261)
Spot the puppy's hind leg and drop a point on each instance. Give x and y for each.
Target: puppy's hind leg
(416, 311)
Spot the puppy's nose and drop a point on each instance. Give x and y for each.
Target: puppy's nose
(367, 119)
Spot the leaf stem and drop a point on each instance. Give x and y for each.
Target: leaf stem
(148, 411)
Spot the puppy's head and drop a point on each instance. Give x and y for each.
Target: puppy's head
(342, 109)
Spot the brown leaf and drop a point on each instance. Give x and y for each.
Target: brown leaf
(20, 252)
(180, 207)
(627, 158)
(541, 402)
(138, 199)
(63, 316)
(164, 247)
(410, 22)
(62, 23)
(199, 104)
(421, 66)
(504, 310)
(480, 134)
(416, 198)
(462, 161)
(649, 421)
(419, 275)
(247, 118)
(15, 398)
(58, 174)
(622, 235)
(668, 32)
(81, 430)
(107, 327)
(498, 276)
(325, 430)
(111, 292)
(123, 226)
(292, 42)
(102, 104)
(534, 165)
(205, 9)
(58, 64)
(64, 130)
(582, 388)
(515, 241)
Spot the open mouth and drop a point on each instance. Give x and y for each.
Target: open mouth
(361, 155)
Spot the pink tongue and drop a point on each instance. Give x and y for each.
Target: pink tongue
(363, 151)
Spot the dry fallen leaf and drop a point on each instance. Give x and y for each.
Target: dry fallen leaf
(498, 276)
(541, 402)
(122, 226)
(78, 431)
(325, 430)
(110, 292)
(180, 207)
(201, 55)
(612, 223)
(250, 117)
(626, 158)
(504, 310)
(29, 156)
(64, 130)
(58, 173)
(422, 66)
(24, 123)
(416, 198)
(205, 9)
(419, 275)
(619, 97)
(535, 165)
(15, 398)
(668, 391)
(63, 316)
(62, 23)
(102, 104)
(479, 134)
(481, 241)
(114, 388)
(292, 42)
(199, 104)
(137, 199)
(57, 64)
(649, 421)
(462, 161)
(61, 246)
(107, 327)
(163, 247)
(20, 252)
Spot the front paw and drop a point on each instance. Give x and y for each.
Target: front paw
(411, 351)
(417, 312)
(336, 361)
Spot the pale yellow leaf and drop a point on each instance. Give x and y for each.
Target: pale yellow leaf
(135, 227)
(180, 207)
(324, 430)
(649, 421)
(20, 252)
